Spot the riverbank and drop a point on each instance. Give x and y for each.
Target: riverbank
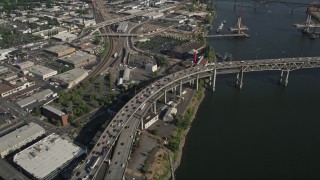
(193, 104)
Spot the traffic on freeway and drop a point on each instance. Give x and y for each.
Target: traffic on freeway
(137, 103)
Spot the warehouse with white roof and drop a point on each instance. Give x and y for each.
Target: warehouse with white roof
(19, 137)
(42, 71)
(71, 78)
(48, 157)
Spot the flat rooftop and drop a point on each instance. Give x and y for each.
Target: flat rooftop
(65, 36)
(77, 58)
(4, 87)
(47, 155)
(59, 48)
(53, 110)
(39, 96)
(71, 75)
(19, 135)
(41, 70)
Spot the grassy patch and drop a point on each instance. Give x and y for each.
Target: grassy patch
(157, 43)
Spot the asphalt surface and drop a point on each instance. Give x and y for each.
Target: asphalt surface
(8, 172)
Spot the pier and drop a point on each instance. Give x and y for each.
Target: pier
(237, 31)
(242, 34)
(307, 26)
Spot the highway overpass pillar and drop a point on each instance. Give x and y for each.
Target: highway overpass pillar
(197, 83)
(286, 80)
(165, 96)
(239, 81)
(281, 78)
(141, 124)
(180, 88)
(214, 80)
(155, 107)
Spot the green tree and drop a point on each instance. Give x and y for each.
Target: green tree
(58, 123)
(37, 111)
(110, 80)
(97, 40)
(69, 103)
(48, 5)
(210, 54)
(163, 61)
(33, 25)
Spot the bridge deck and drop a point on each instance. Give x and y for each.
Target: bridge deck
(113, 130)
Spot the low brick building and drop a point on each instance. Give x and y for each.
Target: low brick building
(54, 114)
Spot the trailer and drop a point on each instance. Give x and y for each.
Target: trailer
(93, 162)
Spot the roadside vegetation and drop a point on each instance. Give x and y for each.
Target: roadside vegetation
(87, 97)
(12, 37)
(105, 49)
(157, 44)
(183, 121)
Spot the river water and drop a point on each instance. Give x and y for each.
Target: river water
(263, 131)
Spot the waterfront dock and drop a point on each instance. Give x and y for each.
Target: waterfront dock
(242, 34)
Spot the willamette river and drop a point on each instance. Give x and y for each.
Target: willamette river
(263, 131)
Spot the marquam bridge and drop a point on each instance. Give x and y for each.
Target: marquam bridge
(126, 122)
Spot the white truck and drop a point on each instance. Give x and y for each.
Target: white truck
(142, 106)
(93, 162)
(115, 55)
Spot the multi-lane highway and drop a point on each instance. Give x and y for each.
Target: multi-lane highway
(156, 89)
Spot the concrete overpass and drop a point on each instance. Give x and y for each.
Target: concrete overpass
(132, 112)
(113, 21)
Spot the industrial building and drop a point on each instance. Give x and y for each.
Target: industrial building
(64, 37)
(7, 88)
(151, 67)
(153, 15)
(149, 119)
(122, 27)
(48, 157)
(126, 74)
(3, 69)
(25, 64)
(42, 71)
(168, 116)
(79, 59)
(36, 97)
(71, 78)
(19, 137)
(60, 50)
(186, 50)
(9, 75)
(54, 114)
(5, 52)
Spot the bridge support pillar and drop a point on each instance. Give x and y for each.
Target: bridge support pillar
(284, 80)
(281, 78)
(155, 107)
(165, 96)
(141, 123)
(239, 81)
(180, 89)
(197, 83)
(214, 80)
